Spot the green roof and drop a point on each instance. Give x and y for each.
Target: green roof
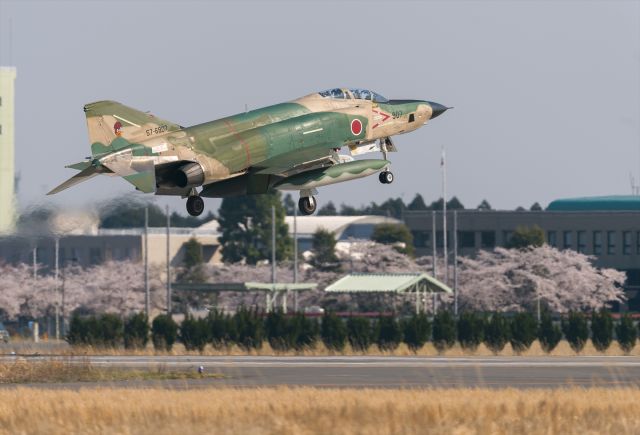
(597, 203)
(387, 282)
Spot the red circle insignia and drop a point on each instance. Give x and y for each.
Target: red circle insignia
(356, 127)
(117, 127)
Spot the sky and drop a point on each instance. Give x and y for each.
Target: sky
(546, 94)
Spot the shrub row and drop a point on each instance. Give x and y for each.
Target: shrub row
(248, 329)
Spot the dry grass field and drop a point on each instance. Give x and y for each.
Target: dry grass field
(25, 371)
(322, 411)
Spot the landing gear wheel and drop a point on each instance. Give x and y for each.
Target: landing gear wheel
(195, 205)
(386, 177)
(307, 205)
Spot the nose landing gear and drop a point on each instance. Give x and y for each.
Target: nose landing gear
(386, 145)
(195, 205)
(307, 205)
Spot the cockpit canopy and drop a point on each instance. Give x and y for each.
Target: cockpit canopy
(354, 93)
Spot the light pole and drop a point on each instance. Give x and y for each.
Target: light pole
(147, 302)
(168, 261)
(455, 263)
(295, 256)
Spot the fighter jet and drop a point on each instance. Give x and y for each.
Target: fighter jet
(289, 146)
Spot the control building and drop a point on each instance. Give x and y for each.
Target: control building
(607, 228)
(7, 149)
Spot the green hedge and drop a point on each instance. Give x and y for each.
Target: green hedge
(249, 328)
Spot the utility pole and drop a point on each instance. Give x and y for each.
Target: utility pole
(168, 261)
(444, 218)
(147, 302)
(433, 244)
(455, 263)
(57, 289)
(273, 253)
(35, 262)
(435, 256)
(295, 256)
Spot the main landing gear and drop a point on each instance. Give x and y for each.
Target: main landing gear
(307, 205)
(195, 205)
(386, 177)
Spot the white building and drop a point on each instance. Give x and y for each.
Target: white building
(7, 149)
(342, 227)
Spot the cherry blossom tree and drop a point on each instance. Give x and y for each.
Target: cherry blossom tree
(514, 280)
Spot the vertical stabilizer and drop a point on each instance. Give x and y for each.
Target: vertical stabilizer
(112, 126)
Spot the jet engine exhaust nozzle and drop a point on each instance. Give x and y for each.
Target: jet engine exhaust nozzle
(189, 175)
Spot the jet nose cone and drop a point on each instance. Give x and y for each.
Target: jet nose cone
(437, 109)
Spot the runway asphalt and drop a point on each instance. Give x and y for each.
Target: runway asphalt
(381, 372)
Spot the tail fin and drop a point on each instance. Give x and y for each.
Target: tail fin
(113, 126)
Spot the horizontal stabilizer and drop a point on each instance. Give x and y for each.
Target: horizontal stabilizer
(144, 181)
(80, 166)
(84, 175)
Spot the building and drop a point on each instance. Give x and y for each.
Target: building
(7, 149)
(342, 227)
(108, 245)
(607, 228)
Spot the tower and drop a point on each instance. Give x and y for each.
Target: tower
(7, 149)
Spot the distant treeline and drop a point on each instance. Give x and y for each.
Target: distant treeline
(249, 329)
(130, 214)
(394, 207)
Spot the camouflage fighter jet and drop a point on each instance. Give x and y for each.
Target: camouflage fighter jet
(288, 146)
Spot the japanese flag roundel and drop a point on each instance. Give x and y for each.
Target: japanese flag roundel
(356, 127)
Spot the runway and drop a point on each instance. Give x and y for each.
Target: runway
(380, 372)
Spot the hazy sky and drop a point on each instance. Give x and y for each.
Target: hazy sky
(546, 94)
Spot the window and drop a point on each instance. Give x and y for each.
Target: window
(421, 239)
(566, 240)
(597, 242)
(95, 255)
(466, 239)
(626, 242)
(638, 242)
(361, 94)
(506, 237)
(412, 118)
(582, 241)
(551, 238)
(440, 239)
(611, 242)
(336, 93)
(487, 239)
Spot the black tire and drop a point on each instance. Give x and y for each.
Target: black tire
(195, 205)
(386, 177)
(307, 205)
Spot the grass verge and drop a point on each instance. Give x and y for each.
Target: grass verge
(311, 410)
(46, 371)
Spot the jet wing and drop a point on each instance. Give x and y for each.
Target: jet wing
(298, 161)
